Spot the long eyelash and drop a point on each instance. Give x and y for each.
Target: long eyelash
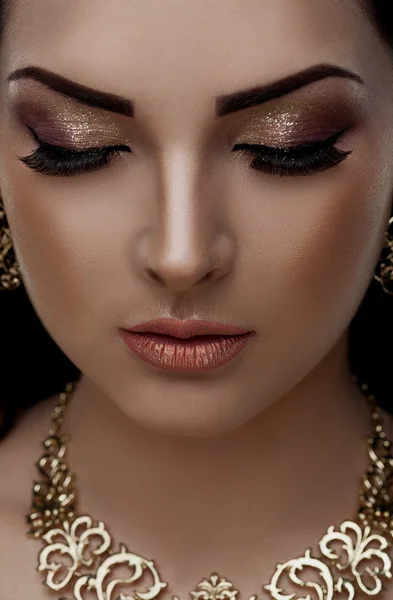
(54, 160)
(291, 161)
(295, 160)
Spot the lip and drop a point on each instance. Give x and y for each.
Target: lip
(187, 329)
(172, 345)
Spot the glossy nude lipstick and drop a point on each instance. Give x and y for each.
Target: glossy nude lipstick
(185, 345)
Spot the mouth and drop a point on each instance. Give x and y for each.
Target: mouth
(187, 329)
(188, 351)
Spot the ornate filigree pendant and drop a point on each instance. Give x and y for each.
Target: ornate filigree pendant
(78, 556)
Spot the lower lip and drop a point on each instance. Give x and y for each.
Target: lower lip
(193, 354)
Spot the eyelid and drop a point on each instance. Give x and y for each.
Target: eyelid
(63, 149)
(295, 149)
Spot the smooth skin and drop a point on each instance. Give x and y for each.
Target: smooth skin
(236, 469)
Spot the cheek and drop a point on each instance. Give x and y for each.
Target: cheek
(335, 250)
(312, 255)
(71, 242)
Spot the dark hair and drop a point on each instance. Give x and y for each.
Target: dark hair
(381, 15)
(38, 369)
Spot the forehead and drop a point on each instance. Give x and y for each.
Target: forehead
(190, 47)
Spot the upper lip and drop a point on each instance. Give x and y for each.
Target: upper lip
(187, 329)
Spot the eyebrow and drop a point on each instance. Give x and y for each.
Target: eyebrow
(72, 89)
(230, 103)
(225, 104)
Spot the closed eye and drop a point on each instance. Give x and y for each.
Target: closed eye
(62, 162)
(295, 160)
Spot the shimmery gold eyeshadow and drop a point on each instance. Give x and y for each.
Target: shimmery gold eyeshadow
(61, 121)
(302, 117)
(311, 114)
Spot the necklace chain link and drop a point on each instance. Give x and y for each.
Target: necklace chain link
(353, 558)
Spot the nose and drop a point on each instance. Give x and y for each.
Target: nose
(189, 244)
(181, 261)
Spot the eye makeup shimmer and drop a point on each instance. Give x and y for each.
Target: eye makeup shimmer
(302, 117)
(61, 121)
(311, 114)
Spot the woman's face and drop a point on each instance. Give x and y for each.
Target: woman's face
(182, 223)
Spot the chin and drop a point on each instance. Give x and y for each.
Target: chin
(188, 414)
(181, 406)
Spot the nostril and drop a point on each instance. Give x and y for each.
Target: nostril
(154, 275)
(206, 277)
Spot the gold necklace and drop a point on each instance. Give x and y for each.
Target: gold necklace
(355, 557)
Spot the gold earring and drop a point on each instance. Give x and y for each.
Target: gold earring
(10, 276)
(384, 270)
